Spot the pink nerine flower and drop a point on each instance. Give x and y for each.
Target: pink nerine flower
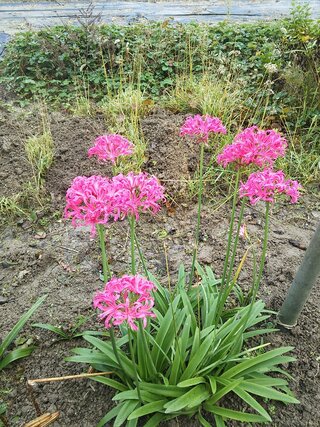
(266, 185)
(126, 299)
(109, 147)
(90, 201)
(201, 126)
(253, 145)
(138, 192)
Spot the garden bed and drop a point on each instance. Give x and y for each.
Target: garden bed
(44, 255)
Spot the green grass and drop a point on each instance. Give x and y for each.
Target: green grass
(123, 113)
(206, 94)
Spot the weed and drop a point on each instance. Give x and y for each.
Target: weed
(123, 113)
(82, 107)
(67, 333)
(9, 356)
(39, 150)
(206, 95)
(11, 206)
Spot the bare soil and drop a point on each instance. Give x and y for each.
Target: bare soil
(48, 256)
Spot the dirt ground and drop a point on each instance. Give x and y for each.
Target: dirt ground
(48, 256)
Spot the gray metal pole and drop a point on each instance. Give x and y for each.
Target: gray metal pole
(302, 284)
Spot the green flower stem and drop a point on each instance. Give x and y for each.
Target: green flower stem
(115, 350)
(105, 266)
(142, 259)
(264, 252)
(228, 283)
(200, 192)
(134, 364)
(253, 292)
(132, 222)
(234, 202)
(221, 296)
(248, 298)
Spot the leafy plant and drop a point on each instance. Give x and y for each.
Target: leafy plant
(39, 151)
(11, 206)
(7, 357)
(67, 333)
(187, 362)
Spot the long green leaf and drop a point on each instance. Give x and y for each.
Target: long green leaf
(146, 396)
(151, 369)
(125, 411)
(19, 325)
(176, 365)
(257, 332)
(225, 390)
(107, 349)
(203, 421)
(19, 353)
(246, 397)
(267, 392)
(262, 379)
(234, 415)
(189, 308)
(155, 420)
(132, 423)
(109, 415)
(181, 352)
(190, 399)
(162, 390)
(149, 408)
(198, 358)
(166, 335)
(110, 382)
(213, 384)
(219, 421)
(52, 328)
(181, 282)
(142, 366)
(92, 357)
(262, 358)
(191, 382)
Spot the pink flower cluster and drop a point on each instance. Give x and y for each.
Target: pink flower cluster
(110, 147)
(267, 184)
(200, 127)
(97, 200)
(126, 299)
(138, 192)
(254, 146)
(90, 201)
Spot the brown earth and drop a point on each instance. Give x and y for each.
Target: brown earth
(50, 257)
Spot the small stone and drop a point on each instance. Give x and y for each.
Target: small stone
(316, 214)
(298, 244)
(52, 408)
(40, 235)
(6, 146)
(3, 300)
(280, 232)
(206, 255)
(53, 398)
(5, 264)
(22, 274)
(25, 410)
